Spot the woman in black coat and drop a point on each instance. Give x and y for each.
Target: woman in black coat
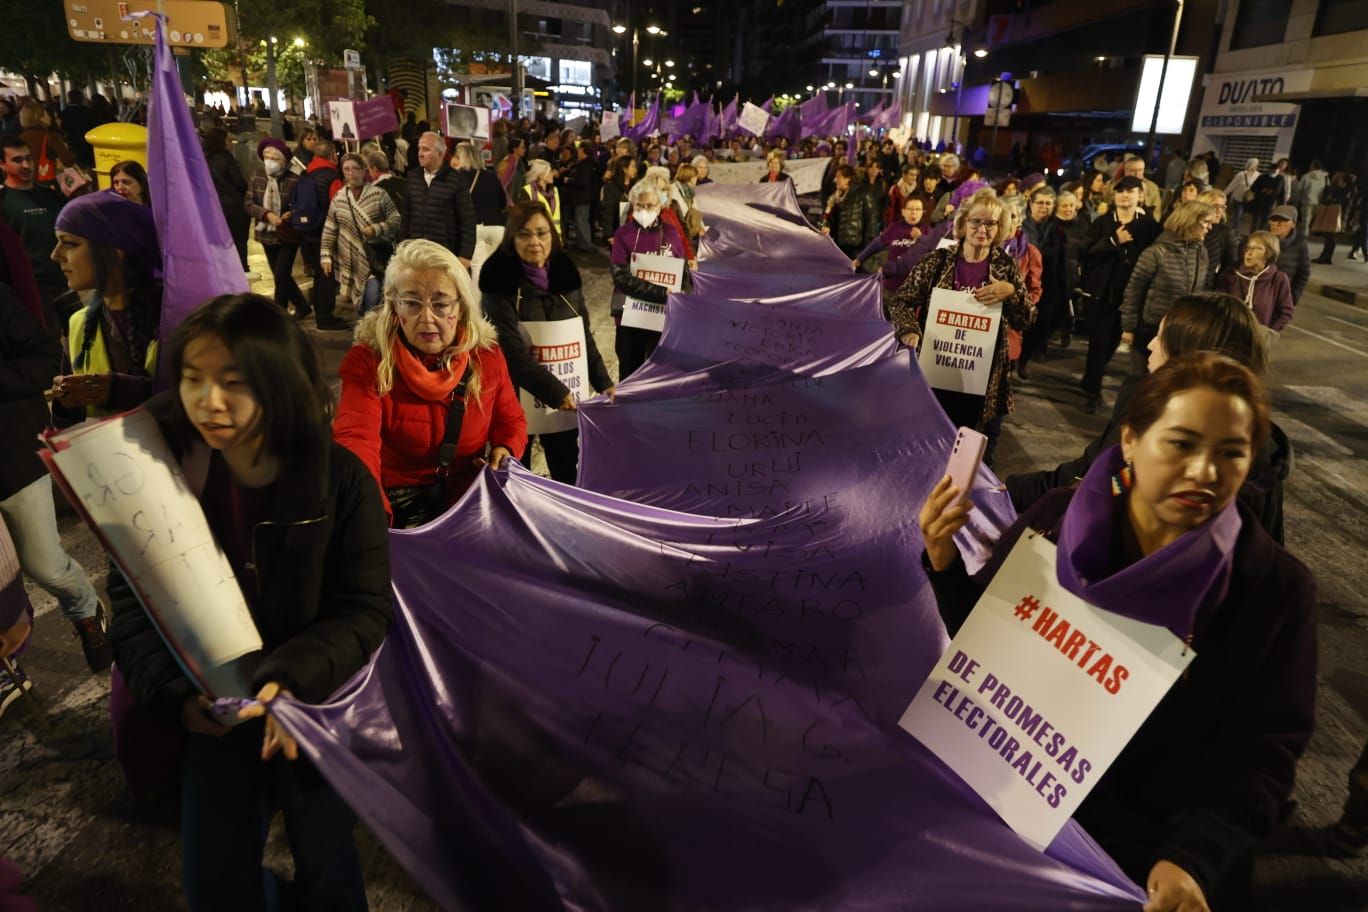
(1154, 533)
(530, 278)
(302, 524)
(231, 186)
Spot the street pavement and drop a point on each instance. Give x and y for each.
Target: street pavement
(67, 819)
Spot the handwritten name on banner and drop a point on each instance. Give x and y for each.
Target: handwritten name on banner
(1039, 691)
(959, 341)
(121, 476)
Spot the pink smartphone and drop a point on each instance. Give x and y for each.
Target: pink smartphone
(965, 456)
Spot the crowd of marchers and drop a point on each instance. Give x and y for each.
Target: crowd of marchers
(439, 255)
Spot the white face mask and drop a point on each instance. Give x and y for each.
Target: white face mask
(645, 218)
(274, 167)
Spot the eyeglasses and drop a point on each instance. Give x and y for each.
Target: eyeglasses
(442, 308)
(982, 223)
(526, 235)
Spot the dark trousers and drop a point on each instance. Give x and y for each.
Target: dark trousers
(584, 234)
(633, 347)
(324, 286)
(228, 796)
(1037, 337)
(281, 258)
(562, 455)
(239, 226)
(1104, 334)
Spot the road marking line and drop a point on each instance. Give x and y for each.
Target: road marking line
(1337, 344)
(1347, 322)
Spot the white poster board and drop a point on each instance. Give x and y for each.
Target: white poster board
(806, 173)
(467, 121)
(958, 342)
(753, 119)
(609, 127)
(342, 120)
(559, 346)
(1039, 691)
(946, 242)
(123, 479)
(662, 270)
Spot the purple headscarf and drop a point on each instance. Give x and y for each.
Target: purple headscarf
(1169, 587)
(107, 219)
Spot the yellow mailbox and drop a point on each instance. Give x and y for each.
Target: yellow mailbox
(116, 142)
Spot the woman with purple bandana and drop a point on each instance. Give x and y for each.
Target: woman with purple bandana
(107, 245)
(1154, 533)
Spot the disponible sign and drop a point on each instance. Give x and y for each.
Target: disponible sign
(958, 342)
(1232, 102)
(1039, 692)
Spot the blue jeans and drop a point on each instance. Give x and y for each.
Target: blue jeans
(584, 234)
(370, 297)
(31, 518)
(228, 797)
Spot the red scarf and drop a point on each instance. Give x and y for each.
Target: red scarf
(433, 385)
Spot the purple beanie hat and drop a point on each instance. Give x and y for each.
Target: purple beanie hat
(109, 220)
(270, 142)
(966, 190)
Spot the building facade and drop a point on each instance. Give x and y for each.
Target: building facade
(1290, 80)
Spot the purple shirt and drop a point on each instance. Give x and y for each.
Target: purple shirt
(970, 275)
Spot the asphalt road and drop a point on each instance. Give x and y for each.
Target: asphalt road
(68, 820)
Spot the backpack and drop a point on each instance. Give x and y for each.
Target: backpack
(307, 211)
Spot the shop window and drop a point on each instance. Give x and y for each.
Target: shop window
(1335, 17)
(1259, 23)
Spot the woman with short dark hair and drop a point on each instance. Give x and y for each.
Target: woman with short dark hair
(129, 180)
(529, 283)
(231, 185)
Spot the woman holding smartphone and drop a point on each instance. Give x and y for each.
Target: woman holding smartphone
(302, 523)
(1154, 533)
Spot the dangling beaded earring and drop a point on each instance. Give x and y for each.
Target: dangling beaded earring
(1123, 480)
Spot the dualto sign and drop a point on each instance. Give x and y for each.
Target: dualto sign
(1230, 106)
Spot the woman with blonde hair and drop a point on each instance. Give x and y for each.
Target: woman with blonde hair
(426, 396)
(50, 151)
(976, 263)
(1173, 266)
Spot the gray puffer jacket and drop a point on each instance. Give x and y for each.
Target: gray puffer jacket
(1167, 269)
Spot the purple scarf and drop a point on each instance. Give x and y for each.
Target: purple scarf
(537, 275)
(1169, 587)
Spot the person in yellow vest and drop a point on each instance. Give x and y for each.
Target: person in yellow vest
(541, 188)
(107, 245)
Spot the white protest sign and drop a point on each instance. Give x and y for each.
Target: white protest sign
(806, 173)
(342, 119)
(609, 127)
(753, 119)
(559, 346)
(124, 480)
(946, 242)
(958, 342)
(662, 270)
(1039, 692)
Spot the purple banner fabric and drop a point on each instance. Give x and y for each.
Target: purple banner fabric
(591, 703)
(199, 260)
(694, 121)
(814, 106)
(829, 123)
(753, 226)
(375, 117)
(729, 116)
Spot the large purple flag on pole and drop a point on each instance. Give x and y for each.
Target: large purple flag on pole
(199, 260)
(815, 105)
(649, 124)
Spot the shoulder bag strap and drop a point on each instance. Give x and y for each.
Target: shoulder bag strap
(446, 454)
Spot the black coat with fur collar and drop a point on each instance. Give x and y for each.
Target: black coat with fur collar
(510, 299)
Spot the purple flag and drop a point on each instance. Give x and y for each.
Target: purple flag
(769, 103)
(729, 116)
(815, 105)
(648, 125)
(829, 123)
(694, 120)
(199, 260)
